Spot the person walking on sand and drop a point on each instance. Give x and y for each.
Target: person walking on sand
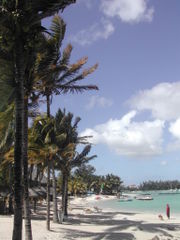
(168, 211)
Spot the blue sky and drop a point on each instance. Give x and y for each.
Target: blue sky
(135, 116)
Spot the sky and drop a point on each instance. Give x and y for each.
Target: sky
(134, 118)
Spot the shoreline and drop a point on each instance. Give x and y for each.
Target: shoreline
(85, 221)
(129, 209)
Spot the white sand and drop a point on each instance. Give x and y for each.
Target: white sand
(85, 222)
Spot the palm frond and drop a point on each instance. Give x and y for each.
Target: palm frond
(66, 55)
(77, 88)
(76, 121)
(82, 75)
(73, 69)
(58, 29)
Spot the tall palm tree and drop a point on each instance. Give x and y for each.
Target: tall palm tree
(68, 161)
(56, 76)
(6, 143)
(19, 26)
(49, 134)
(67, 156)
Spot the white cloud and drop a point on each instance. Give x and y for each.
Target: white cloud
(130, 138)
(174, 128)
(163, 100)
(97, 31)
(97, 101)
(128, 10)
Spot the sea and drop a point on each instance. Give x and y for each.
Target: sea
(157, 205)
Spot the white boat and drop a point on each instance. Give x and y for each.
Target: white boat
(144, 197)
(124, 198)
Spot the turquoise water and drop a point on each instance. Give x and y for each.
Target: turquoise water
(157, 205)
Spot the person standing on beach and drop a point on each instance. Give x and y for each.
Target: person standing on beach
(168, 211)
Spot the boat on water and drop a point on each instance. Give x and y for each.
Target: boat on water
(124, 198)
(144, 197)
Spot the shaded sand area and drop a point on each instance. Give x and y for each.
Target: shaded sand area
(87, 222)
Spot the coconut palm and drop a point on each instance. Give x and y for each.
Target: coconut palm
(7, 140)
(20, 23)
(56, 76)
(76, 186)
(67, 160)
(86, 173)
(67, 156)
(48, 132)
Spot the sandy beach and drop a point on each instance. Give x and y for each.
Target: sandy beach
(87, 222)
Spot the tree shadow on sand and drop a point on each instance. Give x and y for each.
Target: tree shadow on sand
(115, 227)
(74, 234)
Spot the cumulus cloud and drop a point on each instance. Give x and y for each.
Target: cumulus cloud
(128, 10)
(174, 128)
(97, 101)
(163, 100)
(129, 138)
(97, 31)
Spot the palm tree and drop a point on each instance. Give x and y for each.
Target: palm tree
(86, 173)
(48, 133)
(19, 26)
(76, 185)
(56, 76)
(6, 143)
(67, 155)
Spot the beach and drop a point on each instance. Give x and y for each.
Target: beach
(86, 221)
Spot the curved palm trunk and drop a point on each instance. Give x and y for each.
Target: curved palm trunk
(27, 216)
(55, 208)
(48, 176)
(18, 149)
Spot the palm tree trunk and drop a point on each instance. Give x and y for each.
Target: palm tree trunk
(64, 192)
(48, 197)
(18, 149)
(27, 216)
(55, 208)
(11, 189)
(48, 175)
(30, 174)
(63, 197)
(66, 197)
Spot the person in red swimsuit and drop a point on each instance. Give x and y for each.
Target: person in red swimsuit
(168, 211)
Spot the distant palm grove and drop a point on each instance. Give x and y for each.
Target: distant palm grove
(39, 158)
(159, 185)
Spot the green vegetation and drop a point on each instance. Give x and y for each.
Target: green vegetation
(159, 185)
(33, 67)
(86, 181)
